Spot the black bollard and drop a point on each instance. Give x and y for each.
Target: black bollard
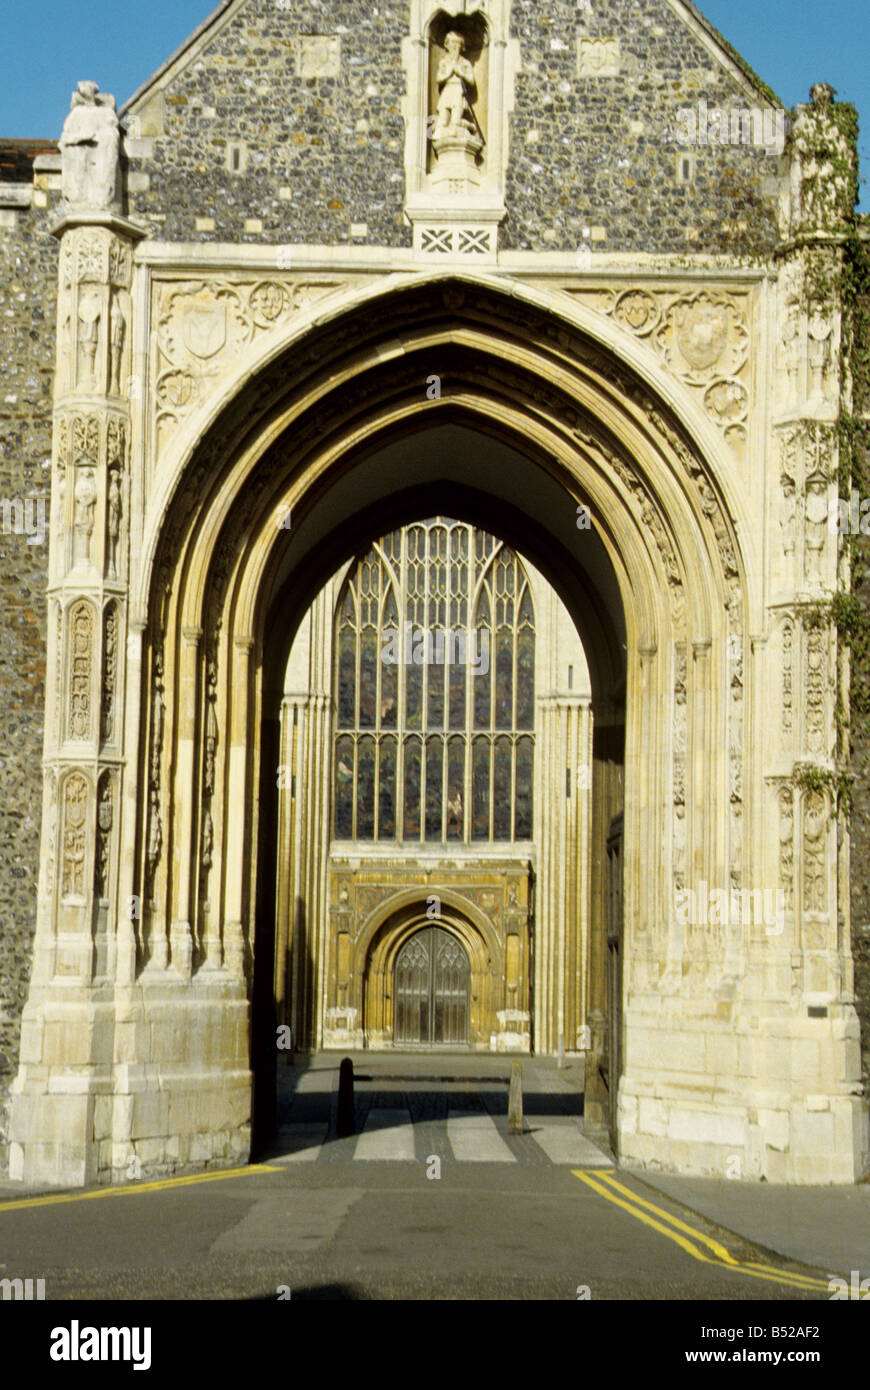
(346, 1123)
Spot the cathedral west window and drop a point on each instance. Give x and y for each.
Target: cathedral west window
(435, 690)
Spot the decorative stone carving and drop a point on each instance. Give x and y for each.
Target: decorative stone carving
(680, 730)
(90, 147)
(86, 439)
(815, 823)
(457, 90)
(787, 681)
(110, 656)
(650, 519)
(81, 628)
(792, 341)
(819, 337)
(786, 845)
(51, 833)
(208, 772)
(269, 301)
(158, 710)
(105, 815)
(114, 508)
(457, 139)
(75, 801)
(319, 55)
(637, 310)
(88, 337)
(86, 501)
(816, 522)
(702, 336)
(117, 334)
(815, 685)
(202, 326)
(727, 402)
(598, 57)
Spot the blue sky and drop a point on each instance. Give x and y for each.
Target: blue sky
(52, 44)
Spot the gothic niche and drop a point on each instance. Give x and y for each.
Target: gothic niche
(458, 100)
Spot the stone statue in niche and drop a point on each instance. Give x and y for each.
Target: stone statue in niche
(90, 146)
(457, 89)
(114, 513)
(86, 501)
(817, 513)
(117, 331)
(457, 137)
(89, 336)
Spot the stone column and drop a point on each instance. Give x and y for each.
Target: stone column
(68, 1023)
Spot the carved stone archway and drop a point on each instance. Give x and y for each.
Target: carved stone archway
(571, 414)
(382, 945)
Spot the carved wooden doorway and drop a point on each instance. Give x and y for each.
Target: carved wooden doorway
(431, 991)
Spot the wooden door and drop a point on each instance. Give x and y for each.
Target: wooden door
(431, 991)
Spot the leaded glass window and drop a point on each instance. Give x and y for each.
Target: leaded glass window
(435, 690)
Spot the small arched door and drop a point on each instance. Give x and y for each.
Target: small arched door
(431, 991)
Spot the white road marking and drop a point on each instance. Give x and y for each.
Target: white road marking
(475, 1139)
(388, 1135)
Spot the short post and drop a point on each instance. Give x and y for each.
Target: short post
(560, 1059)
(346, 1122)
(515, 1099)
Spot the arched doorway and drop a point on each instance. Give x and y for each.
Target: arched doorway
(544, 409)
(430, 991)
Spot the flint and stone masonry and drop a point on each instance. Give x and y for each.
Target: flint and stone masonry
(358, 269)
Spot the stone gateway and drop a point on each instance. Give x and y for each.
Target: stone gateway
(435, 639)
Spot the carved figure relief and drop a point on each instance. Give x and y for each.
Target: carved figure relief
(819, 337)
(89, 317)
(117, 334)
(85, 505)
(75, 801)
(113, 522)
(787, 514)
(90, 146)
(81, 627)
(792, 341)
(816, 520)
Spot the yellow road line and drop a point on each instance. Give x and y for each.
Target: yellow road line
(718, 1250)
(596, 1179)
(134, 1188)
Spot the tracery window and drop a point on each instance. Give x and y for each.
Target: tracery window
(435, 690)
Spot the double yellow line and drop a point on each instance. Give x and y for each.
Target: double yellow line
(687, 1237)
(134, 1189)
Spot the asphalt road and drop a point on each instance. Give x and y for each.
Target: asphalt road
(432, 1199)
